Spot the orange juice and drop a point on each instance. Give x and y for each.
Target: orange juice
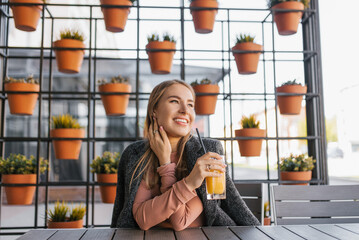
(215, 185)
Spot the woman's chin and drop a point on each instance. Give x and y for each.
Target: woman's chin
(177, 134)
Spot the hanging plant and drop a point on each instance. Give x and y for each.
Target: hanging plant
(22, 103)
(64, 126)
(63, 217)
(69, 60)
(115, 17)
(115, 104)
(204, 14)
(250, 128)
(26, 17)
(288, 17)
(290, 105)
(17, 169)
(106, 167)
(296, 168)
(246, 54)
(205, 104)
(160, 53)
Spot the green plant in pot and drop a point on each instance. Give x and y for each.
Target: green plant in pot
(65, 126)
(288, 17)
(105, 167)
(205, 104)
(266, 209)
(250, 128)
(22, 103)
(18, 169)
(246, 54)
(69, 60)
(290, 105)
(63, 217)
(115, 105)
(161, 61)
(296, 168)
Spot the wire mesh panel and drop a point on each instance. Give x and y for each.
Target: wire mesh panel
(197, 56)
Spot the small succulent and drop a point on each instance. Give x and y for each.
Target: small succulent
(266, 209)
(116, 79)
(203, 81)
(29, 79)
(249, 122)
(299, 162)
(271, 3)
(107, 163)
(72, 34)
(290, 82)
(242, 38)
(156, 37)
(62, 213)
(64, 121)
(19, 164)
(132, 1)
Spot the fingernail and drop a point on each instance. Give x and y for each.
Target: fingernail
(161, 128)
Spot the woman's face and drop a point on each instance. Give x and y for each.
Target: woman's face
(175, 111)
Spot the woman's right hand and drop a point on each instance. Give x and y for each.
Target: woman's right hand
(200, 170)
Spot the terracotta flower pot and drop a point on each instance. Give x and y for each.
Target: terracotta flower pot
(115, 104)
(287, 22)
(296, 176)
(108, 193)
(161, 61)
(72, 224)
(22, 104)
(247, 63)
(290, 105)
(251, 147)
(266, 221)
(204, 19)
(206, 105)
(69, 61)
(67, 149)
(115, 18)
(26, 17)
(19, 195)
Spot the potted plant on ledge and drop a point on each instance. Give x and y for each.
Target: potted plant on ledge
(204, 18)
(64, 126)
(26, 17)
(246, 54)
(290, 105)
(205, 104)
(105, 168)
(69, 60)
(115, 104)
(116, 17)
(160, 53)
(17, 169)
(287, 20)
(250, 128)
(296, 168)
(62, 217)
(22, 103)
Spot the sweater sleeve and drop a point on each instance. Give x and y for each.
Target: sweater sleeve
(168, 176)
(150, 212)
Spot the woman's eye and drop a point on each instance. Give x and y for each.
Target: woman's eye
(190, 105)
(175, 101)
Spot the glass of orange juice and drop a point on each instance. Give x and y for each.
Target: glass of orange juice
(216, 186)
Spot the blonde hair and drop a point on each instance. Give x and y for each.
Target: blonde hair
(149, 159)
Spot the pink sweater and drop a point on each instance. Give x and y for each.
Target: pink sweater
(173, 205)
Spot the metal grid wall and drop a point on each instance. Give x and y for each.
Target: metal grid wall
(313, 79)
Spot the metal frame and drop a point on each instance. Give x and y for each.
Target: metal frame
(313, 78)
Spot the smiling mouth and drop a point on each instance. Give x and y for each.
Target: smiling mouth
(181, 121)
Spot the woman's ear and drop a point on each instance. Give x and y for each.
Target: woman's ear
(154, 114)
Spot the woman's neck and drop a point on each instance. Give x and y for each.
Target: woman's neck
(174, 144)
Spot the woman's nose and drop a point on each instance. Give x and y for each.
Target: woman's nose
(183, 108)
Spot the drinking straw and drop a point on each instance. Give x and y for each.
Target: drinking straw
(200, 140)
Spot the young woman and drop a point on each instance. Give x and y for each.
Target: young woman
(160, 179)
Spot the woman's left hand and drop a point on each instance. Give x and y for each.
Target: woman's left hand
(159, 142)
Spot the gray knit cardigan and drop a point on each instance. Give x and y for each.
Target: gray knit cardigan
(227, 212)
